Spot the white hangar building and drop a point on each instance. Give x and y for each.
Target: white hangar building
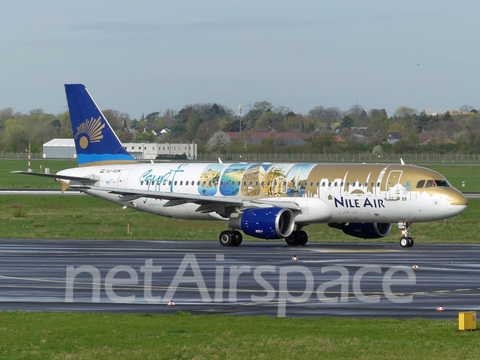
(65, 149)
(59, 149)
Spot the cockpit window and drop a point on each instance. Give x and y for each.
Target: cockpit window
(420, 184)
(442, 183)
(430, 183)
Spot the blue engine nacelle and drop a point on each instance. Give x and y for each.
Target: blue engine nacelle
(265, 223)
(364, 230)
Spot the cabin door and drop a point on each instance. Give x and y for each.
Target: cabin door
(122, 179)
(392, 185)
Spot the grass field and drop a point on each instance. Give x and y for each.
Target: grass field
(85, 217)
(182, 336)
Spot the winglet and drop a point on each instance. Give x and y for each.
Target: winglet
(401, 161)
(220, 161)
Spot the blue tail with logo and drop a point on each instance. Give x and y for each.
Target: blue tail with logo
(95, 141)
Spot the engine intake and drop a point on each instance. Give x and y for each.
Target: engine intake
(364, 230)
(265, 223)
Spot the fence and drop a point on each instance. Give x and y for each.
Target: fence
(344, 157)
(315, 157)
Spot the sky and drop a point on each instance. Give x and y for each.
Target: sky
(144, 56)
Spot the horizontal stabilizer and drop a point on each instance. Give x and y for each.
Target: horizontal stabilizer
(83, 180)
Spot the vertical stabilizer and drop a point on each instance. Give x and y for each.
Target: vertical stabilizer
(95, 141)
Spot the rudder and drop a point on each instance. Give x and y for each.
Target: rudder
(95, 141)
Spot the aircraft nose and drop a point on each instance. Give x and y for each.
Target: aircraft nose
(457, 198)
(458, 202)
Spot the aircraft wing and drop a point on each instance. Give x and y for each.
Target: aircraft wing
(207, 203)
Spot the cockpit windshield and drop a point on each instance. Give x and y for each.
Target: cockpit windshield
(442, 183)
(429, 183)
(433, 183)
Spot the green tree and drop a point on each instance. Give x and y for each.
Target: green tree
(178, 130)
(347, 122)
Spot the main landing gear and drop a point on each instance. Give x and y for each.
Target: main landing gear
(230, 238)
(297, 238)
(406, 240)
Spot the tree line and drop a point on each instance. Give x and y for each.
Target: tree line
(320, 128)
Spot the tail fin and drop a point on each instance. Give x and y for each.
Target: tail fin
(95, 141)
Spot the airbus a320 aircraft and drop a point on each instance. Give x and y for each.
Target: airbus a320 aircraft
(264, 200)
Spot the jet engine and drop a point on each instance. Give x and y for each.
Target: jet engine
(265, 223)
(364, 230)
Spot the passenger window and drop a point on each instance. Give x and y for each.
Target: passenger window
(348, 183)
(186, 183)
(378, 184)
(429, 183)
(371, 185)
(366, 184)
(244, 183)
(335, 184)
(268, 183)
(318, 183)
(311, 183)
(323, 183)
(420, 184)
(329, 183)
(175, 183)
(341, 184)
(353, 184)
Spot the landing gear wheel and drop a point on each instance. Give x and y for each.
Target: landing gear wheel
(302, 238)
(404, 242)
(237, 238)
(226, 238)
(291, 239)
(297, 238)
(410, 242)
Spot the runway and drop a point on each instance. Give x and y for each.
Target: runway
(257, 278)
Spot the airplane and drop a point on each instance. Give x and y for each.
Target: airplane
(264, 200)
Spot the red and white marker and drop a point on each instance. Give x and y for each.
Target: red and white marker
(440, 309)
(171, 303)
(415, 267)
(294, 258)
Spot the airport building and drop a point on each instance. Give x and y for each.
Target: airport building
(65, 149)
(150, 151)
(59, 149)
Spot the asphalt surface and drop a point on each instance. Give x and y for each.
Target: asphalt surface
(33, 277)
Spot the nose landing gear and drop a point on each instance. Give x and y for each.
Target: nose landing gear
(406, 240)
